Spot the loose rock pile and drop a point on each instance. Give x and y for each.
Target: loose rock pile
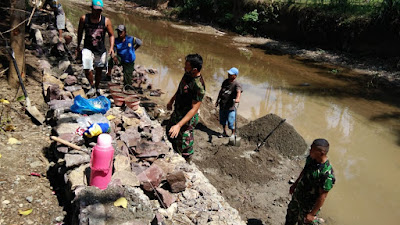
(158, 184)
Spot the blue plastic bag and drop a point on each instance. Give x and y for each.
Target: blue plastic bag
(82, 105)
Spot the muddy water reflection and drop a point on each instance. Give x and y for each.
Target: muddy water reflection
(363, 133)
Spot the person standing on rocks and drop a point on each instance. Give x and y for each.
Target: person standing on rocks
(311, 188)
(126, 47)
(187, 99)
(95, 27)
(55, 5)
(228, 96)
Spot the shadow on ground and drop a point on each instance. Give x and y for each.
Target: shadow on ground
(254, 222)
(209, 131)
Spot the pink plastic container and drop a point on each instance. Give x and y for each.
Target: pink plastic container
(101, 162)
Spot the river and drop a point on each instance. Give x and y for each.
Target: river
(363, 131)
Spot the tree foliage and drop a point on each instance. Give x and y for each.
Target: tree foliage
(248, 16)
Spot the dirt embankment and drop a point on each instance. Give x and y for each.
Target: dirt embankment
(23, 167)
(255, 183)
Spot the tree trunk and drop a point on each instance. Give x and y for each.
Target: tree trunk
(17, 37)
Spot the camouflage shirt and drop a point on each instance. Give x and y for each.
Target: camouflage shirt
(315, 176)
(190, 88)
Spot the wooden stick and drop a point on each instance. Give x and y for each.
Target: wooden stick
(30, 18)
(2, 72)
(69, 144)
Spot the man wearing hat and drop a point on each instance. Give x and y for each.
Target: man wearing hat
(94, 54)
(228, 96)
(311, 188)
(126, 47)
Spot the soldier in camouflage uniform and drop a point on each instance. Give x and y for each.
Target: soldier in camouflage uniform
(187, 100)
(311, 188)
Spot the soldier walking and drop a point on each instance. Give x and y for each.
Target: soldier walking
(311, 188)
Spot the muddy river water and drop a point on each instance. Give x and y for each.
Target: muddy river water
(364, 134)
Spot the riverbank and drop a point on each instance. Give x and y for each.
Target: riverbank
(64, 170)
(354, 125)
(156, 183)
(378, 75)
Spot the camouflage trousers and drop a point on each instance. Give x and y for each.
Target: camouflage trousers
(183, 143)
(296, 213)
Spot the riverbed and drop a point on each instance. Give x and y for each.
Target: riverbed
(318, 99)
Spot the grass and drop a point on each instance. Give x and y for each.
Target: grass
(354, 7)
(324, 2)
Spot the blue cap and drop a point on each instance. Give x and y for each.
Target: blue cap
(233, 71)
(97, 4)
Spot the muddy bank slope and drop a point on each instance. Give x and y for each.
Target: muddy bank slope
(255, 183)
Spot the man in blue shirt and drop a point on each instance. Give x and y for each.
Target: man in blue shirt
(126, 47)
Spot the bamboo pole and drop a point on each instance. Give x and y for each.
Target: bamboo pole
(69, 144)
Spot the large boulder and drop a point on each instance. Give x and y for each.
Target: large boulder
(166, 166)
(131, 137)
(70, 80)
(51, 91)
(96, 206)
(48, 78)
(122, 163)
(157, 133)
(78, 177)
(63, 65)
(38, 37)
(66, 128)
(146, 149)
(177, 181)
(151, 177)
(76, 159)
(166, 197)
(126, 178)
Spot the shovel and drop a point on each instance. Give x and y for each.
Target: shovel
(235, 140)
(270, 133)
(32, 110)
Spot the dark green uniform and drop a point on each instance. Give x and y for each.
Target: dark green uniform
(315, 176)
(127, 69)
(190, 88)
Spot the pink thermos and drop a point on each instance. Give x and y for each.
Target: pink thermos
(101, 162)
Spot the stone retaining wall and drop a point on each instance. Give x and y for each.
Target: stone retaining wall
(158, 184)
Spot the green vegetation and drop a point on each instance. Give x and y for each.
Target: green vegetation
(244, 15)
(336, 23)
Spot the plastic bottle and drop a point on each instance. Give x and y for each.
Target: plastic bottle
(85, 121)
(101, 162)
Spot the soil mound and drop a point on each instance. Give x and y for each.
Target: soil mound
(252, 182)
(241, 163)
(245, 164)
(285, 139)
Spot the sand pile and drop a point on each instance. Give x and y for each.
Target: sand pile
(285, 139)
